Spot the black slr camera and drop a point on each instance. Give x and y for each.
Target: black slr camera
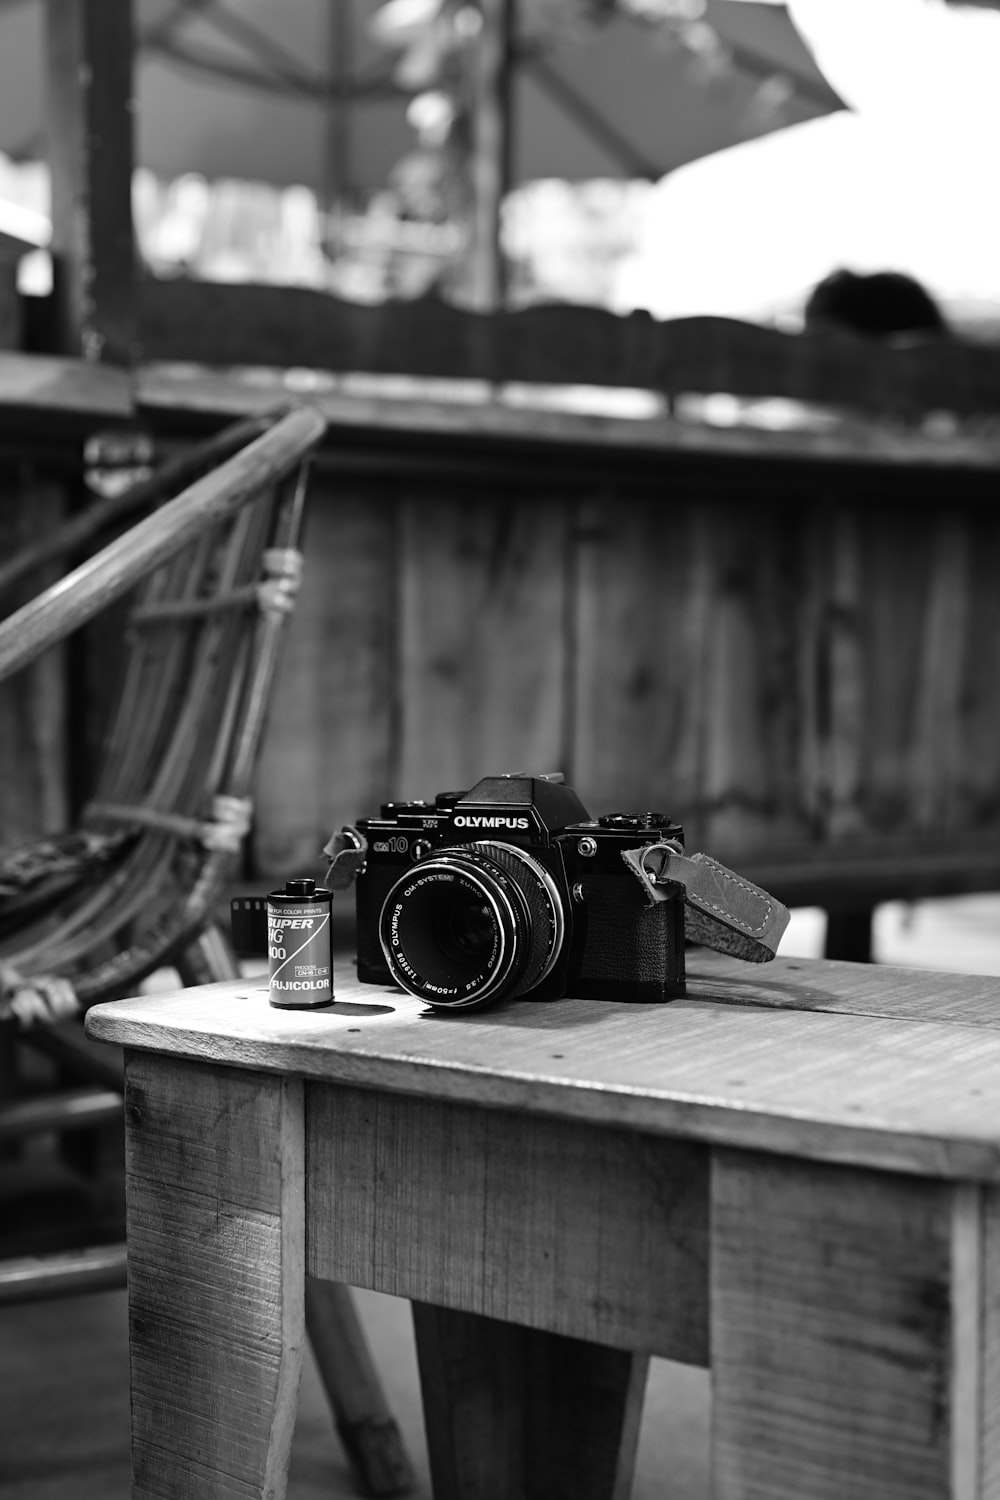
(512, 890)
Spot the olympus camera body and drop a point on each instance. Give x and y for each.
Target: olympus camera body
(511, 890)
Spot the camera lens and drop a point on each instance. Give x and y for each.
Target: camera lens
(466, 930)
(472, 924)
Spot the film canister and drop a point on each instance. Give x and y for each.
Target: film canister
(299, 950)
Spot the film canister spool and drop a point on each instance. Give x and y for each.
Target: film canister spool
(299, 950)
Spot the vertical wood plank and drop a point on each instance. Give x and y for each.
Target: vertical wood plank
(688, 653)
(775, 670)
(90, 108)
(936, 747)
(642, 628)
(329, 749)
(978, 793)
(519, 1414)
(809, 678)
(843, 737)
(896, 560)
(988, 1310)
(845, 679)
(966, 1410)
(832, 1329)
(482, 639)
(748, 679)
(471, 1381)
(585, 1407)
(214, 1162)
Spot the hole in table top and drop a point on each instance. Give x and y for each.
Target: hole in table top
(558, 1054)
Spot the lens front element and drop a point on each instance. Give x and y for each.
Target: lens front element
(472, 924)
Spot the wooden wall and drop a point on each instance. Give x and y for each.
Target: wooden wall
(791, 643)
(788, 658)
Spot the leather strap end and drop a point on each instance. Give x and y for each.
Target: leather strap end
(726, 912)
(722, 909)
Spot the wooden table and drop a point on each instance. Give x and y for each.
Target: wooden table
(792, 1176)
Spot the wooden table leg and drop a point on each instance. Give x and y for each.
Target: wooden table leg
(853, 1330)
(216, 1277)
(367, 1428)
(517, 1414)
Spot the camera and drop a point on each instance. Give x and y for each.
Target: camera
(512, 890)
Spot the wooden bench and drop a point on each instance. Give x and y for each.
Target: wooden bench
(791, 1176)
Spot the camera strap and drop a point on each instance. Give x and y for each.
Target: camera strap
(722, 910)
(346, 852)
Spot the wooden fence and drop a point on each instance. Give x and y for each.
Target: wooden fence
(799, 661)
(790, 642)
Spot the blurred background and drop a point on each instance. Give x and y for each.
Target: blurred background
(685, 156)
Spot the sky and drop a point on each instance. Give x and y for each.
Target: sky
(904, 181)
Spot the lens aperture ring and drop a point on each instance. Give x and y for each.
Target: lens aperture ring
(545, 909)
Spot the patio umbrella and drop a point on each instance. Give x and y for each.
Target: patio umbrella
(251, 92)
(902, 182)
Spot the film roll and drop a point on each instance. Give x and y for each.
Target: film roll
(299, 948)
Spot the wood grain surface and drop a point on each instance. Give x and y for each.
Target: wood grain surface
(328, 755)
(985, 1330)
(789, 640)
(845, 1341)
(600, 1235)
(216, 1277)
(483, 644)
(636, 713)
(838, 1062)
(801, 670)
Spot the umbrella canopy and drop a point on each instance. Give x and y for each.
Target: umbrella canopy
(903, 182)
(251, 93)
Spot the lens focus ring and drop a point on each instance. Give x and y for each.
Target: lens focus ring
(545, 911)
(472, 923)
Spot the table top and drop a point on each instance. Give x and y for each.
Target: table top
(896, 1069)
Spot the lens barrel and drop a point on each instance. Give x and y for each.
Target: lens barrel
(471, 924)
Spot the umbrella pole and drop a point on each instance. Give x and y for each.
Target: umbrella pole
(491, 149)
(88, 57)
(337, 164)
